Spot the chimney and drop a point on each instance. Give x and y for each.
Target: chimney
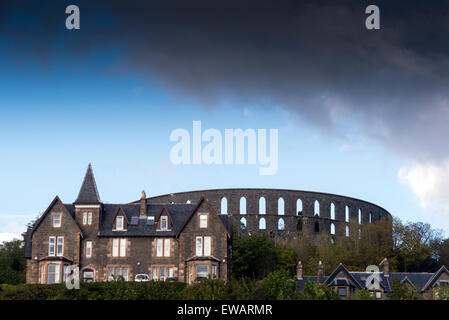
(320, 279)
(384, 267)
(299, 270)
(143, 204)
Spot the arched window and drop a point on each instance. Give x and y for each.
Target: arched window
(281, 224)
(243, 223)
(332, 229)
(332, 211)
(281, 206)
(317, 208)
(317, 227)
(347, 231)
(370, 217)
(346, 213)
(299, 207)
(360, 216)
(224, 205)
(242, 205)
(262, 224)
(262, 206)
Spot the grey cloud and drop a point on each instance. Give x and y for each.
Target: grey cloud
(314, 58)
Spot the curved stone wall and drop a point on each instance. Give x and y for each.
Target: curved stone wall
(345, 209)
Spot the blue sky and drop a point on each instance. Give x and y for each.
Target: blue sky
(54, 123)
(359, 113)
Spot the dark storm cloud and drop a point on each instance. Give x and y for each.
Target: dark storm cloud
(314, 58)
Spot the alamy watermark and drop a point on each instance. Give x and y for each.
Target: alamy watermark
(209, 147)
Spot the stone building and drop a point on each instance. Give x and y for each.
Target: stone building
(184, 241)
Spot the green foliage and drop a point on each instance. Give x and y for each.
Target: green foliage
(314, 291)
(207, 289)
(253, 256)
(402, 291)
(12, 262)
(364, 294)
(279, 285)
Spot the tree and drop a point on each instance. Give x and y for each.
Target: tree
(12, 262)
(252, 256)
(402, 291)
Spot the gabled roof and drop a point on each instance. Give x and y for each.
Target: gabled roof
(337, 270)
(88, 193)
(29, 234)
(435, 276)
(194, 211)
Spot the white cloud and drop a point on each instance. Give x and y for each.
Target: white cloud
(429, 183)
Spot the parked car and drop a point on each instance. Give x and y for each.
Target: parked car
(141, 277)
(172, 279)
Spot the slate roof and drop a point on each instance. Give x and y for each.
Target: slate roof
(418, 279)
(88, 192)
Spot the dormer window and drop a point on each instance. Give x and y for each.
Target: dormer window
(56, 220)
(119, 223)
(164, 223)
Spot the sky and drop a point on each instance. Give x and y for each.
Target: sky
(362, 113)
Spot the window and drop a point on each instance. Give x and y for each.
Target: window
(88, 275)
(262, 224)
(224, 206)
(360, 216)
(89, 218)
(57, 220)
(60, 246)
(88, 249)
(243, 223)
(51, 246)
(115, 247)
(162, 273)
(242, 205)
(199, 246)
(332, 211)
(280, 206)
(332, 229)
(298, 207)
(378, 295)
(119, 244)
(317, 208)
(203, 246)
(317, 227)
(347, 231)
(162, 247)
(84, 218)
(346, 213)
(164, 224)
(203, 221)
(155, 274)
(122, 247)
(213, 272)
(370, 217)
(64, 272)
(202, 271)
(342, 292)
(42, 274)
(116, 273)
(159, 247)
(167, 248)
(281, 224)
(119, 223)
(207, 246)
(53, 273)
(262, 206)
